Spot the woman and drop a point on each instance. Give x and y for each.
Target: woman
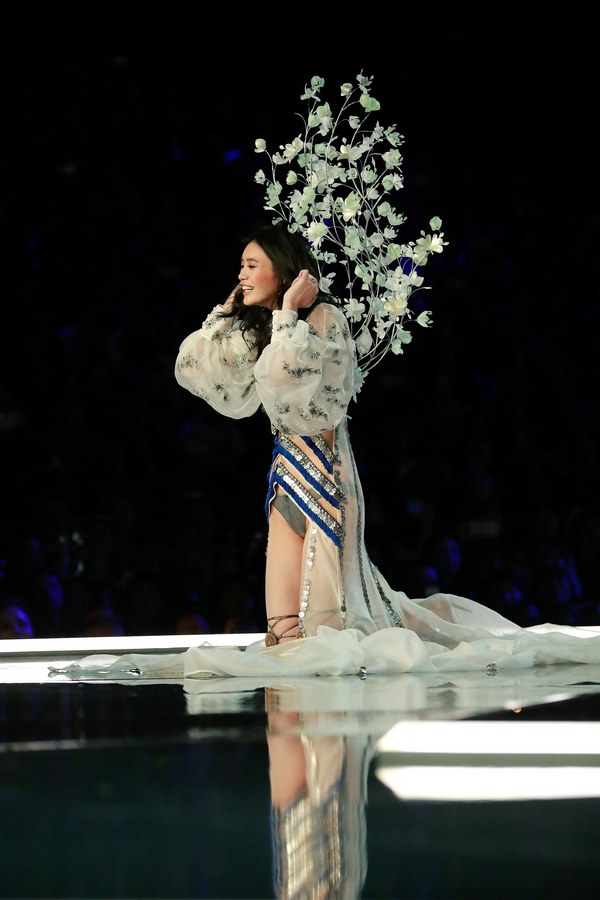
(280, 344)
(277, 343)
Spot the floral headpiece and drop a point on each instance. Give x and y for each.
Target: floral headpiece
(339, 177)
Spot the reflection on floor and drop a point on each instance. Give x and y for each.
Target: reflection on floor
(468, 785)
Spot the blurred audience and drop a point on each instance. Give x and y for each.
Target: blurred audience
(15, 623)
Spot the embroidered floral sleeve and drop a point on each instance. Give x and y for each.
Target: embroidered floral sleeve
(305, 376)
(216, 364)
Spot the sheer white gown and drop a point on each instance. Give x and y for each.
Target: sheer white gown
(352, 618)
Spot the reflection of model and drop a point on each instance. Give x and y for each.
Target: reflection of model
(318, 797)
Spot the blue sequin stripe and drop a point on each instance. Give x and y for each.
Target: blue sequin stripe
(316, 515)
(271, 488)
(331, 498)
(318, 452)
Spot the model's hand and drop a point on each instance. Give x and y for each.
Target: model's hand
(228, 304)
(302, 292)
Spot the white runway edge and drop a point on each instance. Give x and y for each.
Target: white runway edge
(28, 660)
(142, 643)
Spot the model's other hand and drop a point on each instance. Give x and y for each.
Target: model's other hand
(228, 304)
(302, 292)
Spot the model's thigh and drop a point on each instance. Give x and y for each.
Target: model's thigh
(284, 567)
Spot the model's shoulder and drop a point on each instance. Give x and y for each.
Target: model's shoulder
(329, 319)
(326, 309)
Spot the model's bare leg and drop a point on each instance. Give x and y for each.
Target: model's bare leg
(282, 578)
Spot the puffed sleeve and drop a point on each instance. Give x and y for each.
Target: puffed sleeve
(305, 376)
(216, 364)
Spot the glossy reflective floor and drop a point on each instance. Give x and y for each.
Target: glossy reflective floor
(471, 785)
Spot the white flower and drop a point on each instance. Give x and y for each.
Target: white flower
(424, 319)
(358, 381)
(395, 139)
(353, 239)
(395, 219)
(365, 275)
(350, 152)
(377, 305)
(392, 158)
(350, 206)
(413, 278)
(321, 118)
(396, 306)
(325, 282)
(316, 82)
(368, 175)
(291, 150)
(430, 243)
(392, 182)
(364, 342)
(354, 309)
(273, 192)
(376, 240)
(437, 244)
(401, 337)
(393, 252)
(393, 281)
(381, 330)
(315, 233)
(260, 145)
(369, 103)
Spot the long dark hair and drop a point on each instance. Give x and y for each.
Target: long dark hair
(289, 252)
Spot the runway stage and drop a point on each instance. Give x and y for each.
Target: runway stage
(469, 785)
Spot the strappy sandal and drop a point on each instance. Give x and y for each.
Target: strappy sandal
(271, 639)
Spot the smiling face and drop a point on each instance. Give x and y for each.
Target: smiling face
(258, 277)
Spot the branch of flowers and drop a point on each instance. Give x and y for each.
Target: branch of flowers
(344, 191)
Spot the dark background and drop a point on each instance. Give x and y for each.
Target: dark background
(127, 185)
